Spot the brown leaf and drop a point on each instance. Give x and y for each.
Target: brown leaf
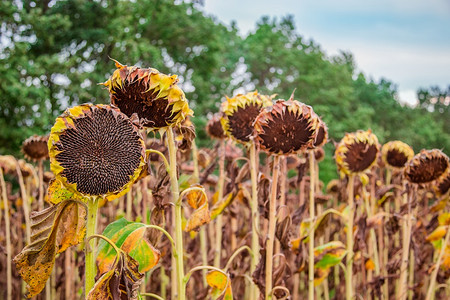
(53, 230)
(199, 217)
(282, 232)
(121, 282)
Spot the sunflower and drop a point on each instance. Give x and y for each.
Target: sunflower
(357, 152)
(96, 151)
(427, 166)
(322, 134)
(35, 147)
(396, 154)
(443, 185)
(240, 112)
(286, 127)
(214, 127)
(155, 97)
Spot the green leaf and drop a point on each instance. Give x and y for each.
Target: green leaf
(131, 237)
(329, 254)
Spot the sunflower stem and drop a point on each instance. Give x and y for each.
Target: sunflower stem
(41, 185)
(90, 268)
(349, 261)
(8, 238)
(178, 253)
(403, 289)
(272, 224)
(312, 216)
(219, 220)
(255, 217)
(25, 204)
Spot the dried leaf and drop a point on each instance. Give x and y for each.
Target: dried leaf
(282, 231)
(221, 285)
(131, 237)
(198, 218)
(219, 206)
(53, 230)
(121, 281)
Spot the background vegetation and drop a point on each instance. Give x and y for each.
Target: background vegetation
(53, 54)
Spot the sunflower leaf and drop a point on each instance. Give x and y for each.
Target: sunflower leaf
(221, 285)
(121, 281)
(53, 230)
(134, 239)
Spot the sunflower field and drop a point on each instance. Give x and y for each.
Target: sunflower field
(156, 193)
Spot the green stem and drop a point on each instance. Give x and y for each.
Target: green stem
(239, 250)
(219, 222)
(272, 224)
(178, 254)
(90, 267)
(311, 234)
(152, 295)
(254, 217)
(8, 238)
(431, 288)
(41, 185)
(129, 201)
(349, 261)
(198, 268)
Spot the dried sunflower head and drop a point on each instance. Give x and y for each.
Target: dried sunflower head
(240, 112)
(357, 152)
(214, 127)
(155, 97)
(322, 134)
(319, 154)
(8, 164)
(25, 168)
(96, 151)
(442, 186)
(286, 127)
(35, 147)
(396, 154)
(427, 166)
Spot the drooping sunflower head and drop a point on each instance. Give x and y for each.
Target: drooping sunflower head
(322, 134)
(8, 164)
(427, 166)
(396, 154)
(240, 112)
(442, 186)
(214, 127)
(155, 97)
(96, 151)
(286, 127)
(35, 147)
(357, 152)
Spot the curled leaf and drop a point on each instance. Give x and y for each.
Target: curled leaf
(221, 285)
(121, 281)
(200, 216)
(131, 237)
(53, 230)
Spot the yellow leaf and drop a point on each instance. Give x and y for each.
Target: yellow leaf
(437, 234)
(221, 285)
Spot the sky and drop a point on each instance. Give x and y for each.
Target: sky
(404, 41)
